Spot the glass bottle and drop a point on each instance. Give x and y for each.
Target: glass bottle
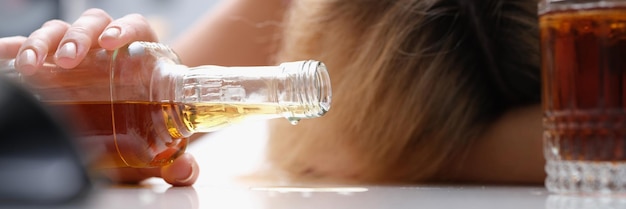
(137, 106)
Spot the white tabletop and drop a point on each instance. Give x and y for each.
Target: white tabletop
(363, 197)
(229, 153)
(467, 197)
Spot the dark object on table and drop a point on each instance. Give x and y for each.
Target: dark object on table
(39, 165)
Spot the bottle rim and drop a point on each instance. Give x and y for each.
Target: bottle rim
(318, 94)
(314, 89)
(322, 83)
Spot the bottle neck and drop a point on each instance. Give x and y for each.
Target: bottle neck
(307, 90)
(294, 90)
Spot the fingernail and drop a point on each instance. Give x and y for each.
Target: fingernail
(68, 50)
(192, 172)
(112, 32)
(27, 58)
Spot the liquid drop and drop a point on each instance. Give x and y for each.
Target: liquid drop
(294, 121)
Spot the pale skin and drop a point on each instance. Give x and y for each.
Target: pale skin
(509, 152)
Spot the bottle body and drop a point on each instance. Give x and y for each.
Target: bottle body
(110, 106)
(123, 133)
(137, 106)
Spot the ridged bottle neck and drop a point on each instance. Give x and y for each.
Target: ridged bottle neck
(294, 90)
(308, 94)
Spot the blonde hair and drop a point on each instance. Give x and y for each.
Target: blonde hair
(415, 83)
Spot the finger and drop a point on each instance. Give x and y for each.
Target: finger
(183, 171)
(9, 46)
(80, 37)
(36, 47)
(129, 28)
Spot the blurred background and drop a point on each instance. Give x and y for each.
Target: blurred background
(169, 17)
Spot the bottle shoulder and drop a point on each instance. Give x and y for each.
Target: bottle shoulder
(154, 50)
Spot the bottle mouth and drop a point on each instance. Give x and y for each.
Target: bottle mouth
(314, 92)
(323, 95)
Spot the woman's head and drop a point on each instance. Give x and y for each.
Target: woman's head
(414, 81)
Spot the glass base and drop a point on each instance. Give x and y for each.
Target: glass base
(565, 201)
(586, 177)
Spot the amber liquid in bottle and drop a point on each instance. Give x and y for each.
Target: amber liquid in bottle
(124, 127)
(584, 71)
(128, 126)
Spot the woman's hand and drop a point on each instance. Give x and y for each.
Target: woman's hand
(68, 45)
